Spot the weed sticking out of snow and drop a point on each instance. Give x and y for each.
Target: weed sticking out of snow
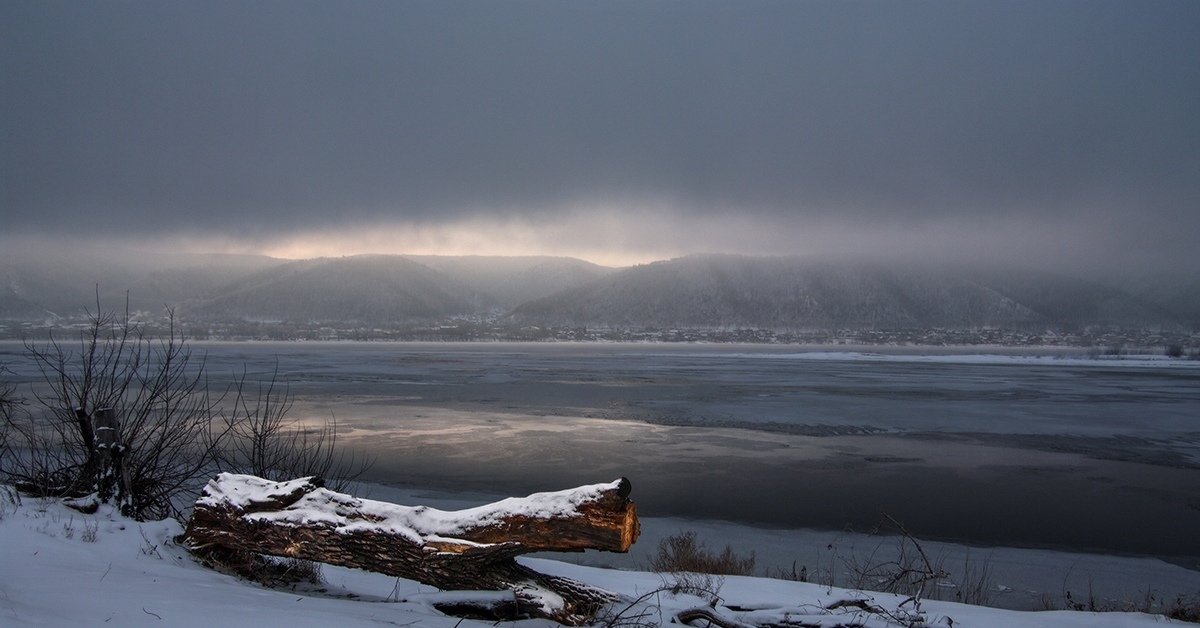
(91, 528)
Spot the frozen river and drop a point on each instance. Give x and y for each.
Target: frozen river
(1032, 449)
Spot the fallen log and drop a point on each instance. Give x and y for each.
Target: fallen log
(472, 549)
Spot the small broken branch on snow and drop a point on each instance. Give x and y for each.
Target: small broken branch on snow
(709, 615)
(472, 549)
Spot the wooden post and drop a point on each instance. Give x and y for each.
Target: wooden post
(85, 430)
(88, 434)
(114, 474)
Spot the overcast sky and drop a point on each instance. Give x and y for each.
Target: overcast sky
(1062, 134)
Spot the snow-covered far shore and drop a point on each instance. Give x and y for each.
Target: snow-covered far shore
(1061, 356)
(61, 568)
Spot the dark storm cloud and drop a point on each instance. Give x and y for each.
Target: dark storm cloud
(257, 117)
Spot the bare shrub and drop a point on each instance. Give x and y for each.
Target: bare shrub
(682, 552)
(10, 499)
(899, 564)
(636, 613)
(909, 573)
(164, 436)
(1185, 608)
(797, 573)
(10, 407)
(90, 529)
(705, 586)
(1081, 603)
(130, 419)
(974, 585)
(645, 611)
(264, 441)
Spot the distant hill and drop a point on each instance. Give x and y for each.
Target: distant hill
(14, 307)
(369, 288)
(392, 289)
(360, 289)
(1180, 296)
(38, 287)
(804, 293)
(512, 281)
(701, 291)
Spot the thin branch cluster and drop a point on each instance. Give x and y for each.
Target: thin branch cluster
(132, 420)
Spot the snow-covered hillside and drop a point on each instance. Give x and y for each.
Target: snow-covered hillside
(61, 568)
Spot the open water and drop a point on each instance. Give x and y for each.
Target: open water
(1017, 448)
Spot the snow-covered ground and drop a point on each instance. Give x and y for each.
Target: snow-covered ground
(61, 568)
(1009, 577)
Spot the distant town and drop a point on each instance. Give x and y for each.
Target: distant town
(1098, 340)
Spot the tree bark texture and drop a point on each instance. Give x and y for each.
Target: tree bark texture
(468, 549)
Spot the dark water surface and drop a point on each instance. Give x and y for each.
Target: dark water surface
(1009, 449)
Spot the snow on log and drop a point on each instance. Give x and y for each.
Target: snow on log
(451, 550)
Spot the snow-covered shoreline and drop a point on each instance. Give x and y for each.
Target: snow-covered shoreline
(1018, 578)
(59, 568)
(968, 356)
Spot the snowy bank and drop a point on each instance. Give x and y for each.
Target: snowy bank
(60, 568)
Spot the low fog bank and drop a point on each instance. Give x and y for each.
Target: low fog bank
(542, 298)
